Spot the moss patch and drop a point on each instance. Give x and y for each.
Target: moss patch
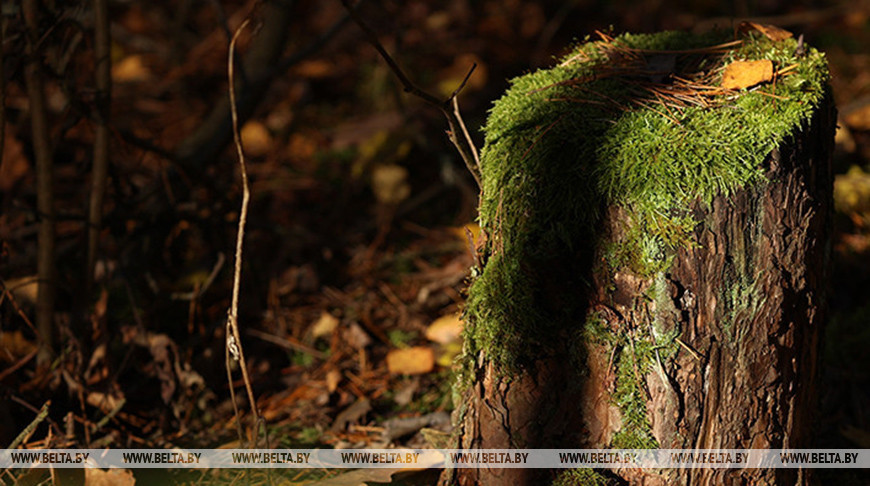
(594, 132)
(582, 477)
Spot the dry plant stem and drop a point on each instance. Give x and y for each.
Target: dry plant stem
(28, 431)
(233, 319)
(100, 169)
(464, 145)
(44, 200)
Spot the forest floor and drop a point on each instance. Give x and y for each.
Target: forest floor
(356, 253)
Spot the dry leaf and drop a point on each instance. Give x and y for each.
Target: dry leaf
(351, 415)
(411, 361)
(130, 69)
(448, 354)
(460, 231)
(859, 119)
(333, 377)
(772, 32)
(324, 326)
(745, 74)
(445, 329)
(356, 336)
(24, 289)
(390, 183)
(844, 139)
(111, 477)
(315, 69)
(256, 139)
(13, 346)
(106, 402)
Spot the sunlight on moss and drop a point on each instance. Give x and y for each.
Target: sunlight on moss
(565, 143)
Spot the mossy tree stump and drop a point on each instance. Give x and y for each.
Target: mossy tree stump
(655, 251)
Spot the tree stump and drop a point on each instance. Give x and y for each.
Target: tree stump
(655, 250)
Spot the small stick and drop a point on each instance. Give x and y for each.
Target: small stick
(28, 431)
(234, 341)
(454, 121)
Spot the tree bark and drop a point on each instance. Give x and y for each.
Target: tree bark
(748, 301)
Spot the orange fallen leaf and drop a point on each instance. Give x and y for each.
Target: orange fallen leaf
(745, 74)
(445, 329)
(256, 139)
(859, 119)
(772, 32)
(411, 361)
(130, 69)
(315, 69)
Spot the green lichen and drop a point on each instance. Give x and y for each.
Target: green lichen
(563, 144)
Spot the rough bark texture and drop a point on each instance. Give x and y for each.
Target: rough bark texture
(748, 301)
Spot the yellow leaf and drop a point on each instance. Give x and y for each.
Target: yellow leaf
(411, 361)
(745, 74)
(256, 139)
(859, 119)
(459, 231)
(445, 329)
(390, 183)
(333, 377)
(448, 353)
(130, 69)
(324, 326)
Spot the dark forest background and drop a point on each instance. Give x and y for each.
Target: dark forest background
(356, 248)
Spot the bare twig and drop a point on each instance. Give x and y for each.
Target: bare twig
(286, 343)
(464, 145)
(234, 341)
(28, 431)
(262, 63)
(45, 200)
(100, 170)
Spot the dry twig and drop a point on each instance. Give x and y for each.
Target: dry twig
(463, 144)
(234, 341)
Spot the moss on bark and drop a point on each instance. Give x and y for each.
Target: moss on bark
(565, 145)
(567, 142)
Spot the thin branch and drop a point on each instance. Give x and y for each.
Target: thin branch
(261, 64)
(100, 170)
(468, 139)
(44, 184)
(234, 341)
(28, 431)
(464, 145)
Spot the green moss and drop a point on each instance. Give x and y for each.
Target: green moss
(565, 143)
(636, 431)
(582, 477)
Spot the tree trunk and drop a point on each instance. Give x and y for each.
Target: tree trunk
(718, 349)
